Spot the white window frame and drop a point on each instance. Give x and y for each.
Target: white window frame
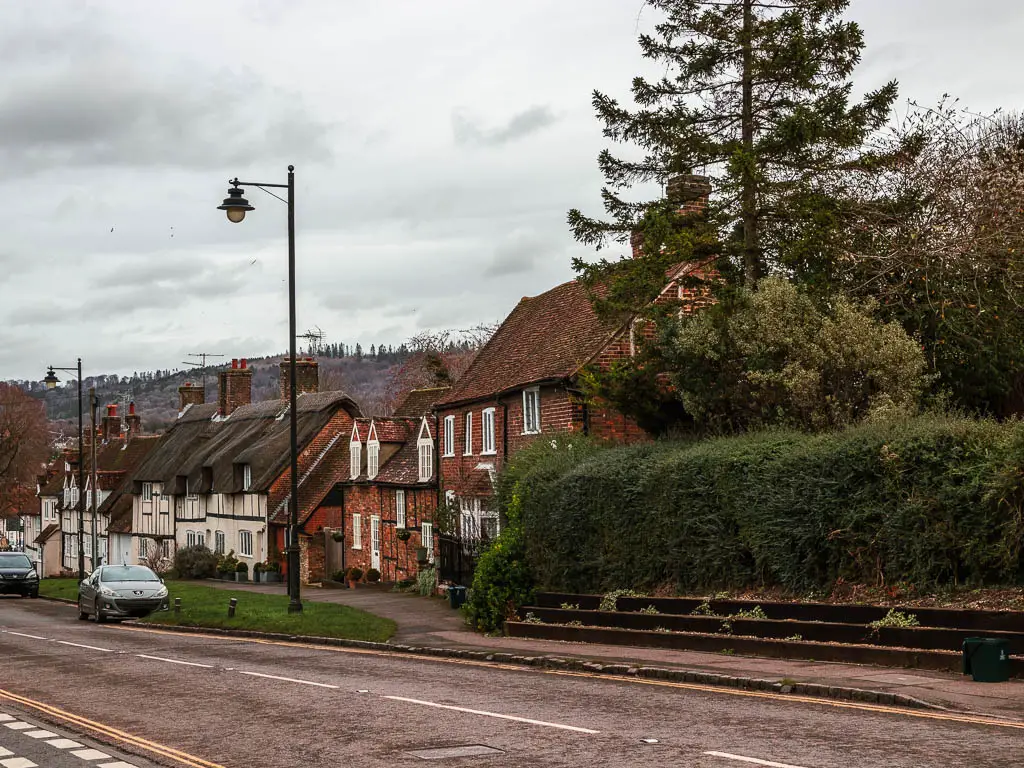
(357, 531)
(200, 539)
(400, 508)
(246, 477)
(467, 441)
(426, 460)
(531, 411)
(427, 540)
(372, 459)
(487, 443)
(355, 462)
(165, 547)
(219, 542)
(245, 543)
(147, 492)
(143, 547)
(449, 436)
(190, 538)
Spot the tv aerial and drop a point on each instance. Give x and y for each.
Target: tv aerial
(201, 364)
(315, 339)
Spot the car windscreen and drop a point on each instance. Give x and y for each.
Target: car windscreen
(14, 561)
(128, 573)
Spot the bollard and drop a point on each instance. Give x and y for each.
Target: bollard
(177, 605)
(231, 607)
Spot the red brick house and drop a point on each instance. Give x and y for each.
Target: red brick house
(524, 384)
(392, 488)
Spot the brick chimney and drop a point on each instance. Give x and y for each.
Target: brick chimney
(690, 192)
(134, 420)
(110, 427)
(307, 376)
(190, 394)
(235, 387)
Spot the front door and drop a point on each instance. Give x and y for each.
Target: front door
(375, 542)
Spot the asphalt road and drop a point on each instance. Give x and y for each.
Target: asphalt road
(227, 702)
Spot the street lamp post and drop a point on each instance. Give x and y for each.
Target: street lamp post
(51, 382)
(236, 206)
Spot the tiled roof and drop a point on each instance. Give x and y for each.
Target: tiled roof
(547, 337)
(329, 467)
(403, 467)
(420, 402)
(394, 430)
(120, 511)
(55, 487)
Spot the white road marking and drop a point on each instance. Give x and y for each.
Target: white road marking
(90, 647)
(288, 679)
(174, 661)
(91, 754)
(18, 762)
(754, 760)
(5, 752)
(22, 634)
(40, 734)
(118, 764)
(19, 726)
(6, 718)
(492, 714)
(65, 744)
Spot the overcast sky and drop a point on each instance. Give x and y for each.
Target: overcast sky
(437, 145)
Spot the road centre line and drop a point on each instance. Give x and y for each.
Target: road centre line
(22, 634)
(492, 714)
(90, 647)
(174, 661)
(178, 756)
(288, 679)
(754, 760)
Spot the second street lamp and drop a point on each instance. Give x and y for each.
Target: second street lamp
(236, 206)
(51, 382)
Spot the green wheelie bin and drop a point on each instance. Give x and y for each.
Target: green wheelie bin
(986, 659)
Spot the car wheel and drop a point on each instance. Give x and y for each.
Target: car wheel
(100, 618)
(83, 614)
(33, 595)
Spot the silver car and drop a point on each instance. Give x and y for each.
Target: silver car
(121, 592)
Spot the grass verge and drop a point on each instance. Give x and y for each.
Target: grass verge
(203, 606)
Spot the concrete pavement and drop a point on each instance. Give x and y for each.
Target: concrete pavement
(431, 623)
(235, 702)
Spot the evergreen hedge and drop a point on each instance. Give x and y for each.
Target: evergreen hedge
(928, 501)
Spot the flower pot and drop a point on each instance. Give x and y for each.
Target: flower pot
(271, 577)
(351, 584)
(241, 577)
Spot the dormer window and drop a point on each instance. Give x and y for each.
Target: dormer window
(372, 453)
(425, 448)
(355, 452)
(246, 477)
(147, 492)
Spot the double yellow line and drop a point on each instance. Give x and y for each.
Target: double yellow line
(113, 733)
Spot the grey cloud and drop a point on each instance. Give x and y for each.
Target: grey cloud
(518, 252)
(469, 133)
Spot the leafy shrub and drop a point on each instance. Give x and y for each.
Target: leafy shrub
(931, 501)
(195, 562)
(610, 601)
(242, 568)
(339, 576)
(897, 619)
(373, 575)
(354, 574)
(227, 563)
(426, 581)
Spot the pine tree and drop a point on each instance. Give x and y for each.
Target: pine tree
(373, 351)
(359, 352)
(756, 94)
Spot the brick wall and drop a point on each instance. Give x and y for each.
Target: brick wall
(307, 376)
(234, 387)
(190, 394)
(397, 558)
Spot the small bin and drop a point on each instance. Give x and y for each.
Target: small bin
(986, 659)
(456, 596)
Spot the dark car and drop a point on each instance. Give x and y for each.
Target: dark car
(121, 592)
(18, 575)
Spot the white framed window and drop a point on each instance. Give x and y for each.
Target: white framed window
(449, 436)
(427, 540)
(147, 491)
(165, 548)
(245, 543)
(143, 547)
(200, 539)
(190, 538)
(355, 453)
(218, 542)
(74, 497)
(467, 439)
(531, 411)
(372, 459)
(357, 531)
(426, 450)
(246, 477)
(487, 443)
(400, 508)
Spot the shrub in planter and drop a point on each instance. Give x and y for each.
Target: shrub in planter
(227, 564)
(404, 534)
(271, 572)
(341, 576)
(338, 535)
(241, 572)
(196, 562)
(373, 575)
(257, 569)
(354, 574)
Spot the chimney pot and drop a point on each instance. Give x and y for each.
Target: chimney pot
(245, 363)
(234, 363)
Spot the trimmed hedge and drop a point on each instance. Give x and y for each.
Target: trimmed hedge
(928, 501)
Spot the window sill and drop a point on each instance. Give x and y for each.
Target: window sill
(447, 455)
(489, 453)
(359, 548)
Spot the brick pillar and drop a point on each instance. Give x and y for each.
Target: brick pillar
(134, 421)
(110, 429)
(690, 191)
(190, 394)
